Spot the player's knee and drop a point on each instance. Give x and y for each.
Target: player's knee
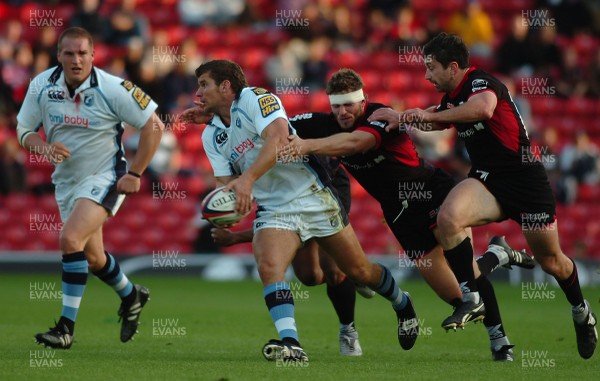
(69, 242)
(268, 268)
(361, 274)
(94, 262)
(447, 222)
(308, 278)
(550, 265)
(333, 278)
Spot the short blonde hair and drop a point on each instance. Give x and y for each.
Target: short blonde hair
(75, 32)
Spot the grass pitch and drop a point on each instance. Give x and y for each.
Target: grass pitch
(196, 330)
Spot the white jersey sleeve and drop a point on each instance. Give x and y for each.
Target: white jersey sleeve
(30, 114)
(220, 165)
(129, 102)
(263, 108)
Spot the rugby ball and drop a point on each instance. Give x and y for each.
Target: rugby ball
(218, 208)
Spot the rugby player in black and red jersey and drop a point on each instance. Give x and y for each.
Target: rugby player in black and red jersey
(386, 165)
(504, 183)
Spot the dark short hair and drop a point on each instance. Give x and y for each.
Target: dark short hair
(446, 48)
(344, 81)
(221, 70)
(75, 32)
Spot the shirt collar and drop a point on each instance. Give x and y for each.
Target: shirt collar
(457, 89)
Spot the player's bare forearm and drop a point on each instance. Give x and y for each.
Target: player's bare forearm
(225, 237)
(341, 144)
(433, 126)
(479, 107)
(150, 136)
(224, 180)
(55, 152)
(195, 115)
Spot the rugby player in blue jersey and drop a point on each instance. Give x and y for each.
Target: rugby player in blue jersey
(83, 110)
(295, 200)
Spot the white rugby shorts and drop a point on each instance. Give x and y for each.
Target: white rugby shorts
(316, 214)
(100, 188)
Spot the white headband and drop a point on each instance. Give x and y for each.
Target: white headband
(342, 99)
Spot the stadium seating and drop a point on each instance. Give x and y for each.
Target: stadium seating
(144, 225)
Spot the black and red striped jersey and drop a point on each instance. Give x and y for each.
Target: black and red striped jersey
(497, 144)
(382, 171)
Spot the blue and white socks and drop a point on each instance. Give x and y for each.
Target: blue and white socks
(74, 279)
(112, 275)
(280, 303)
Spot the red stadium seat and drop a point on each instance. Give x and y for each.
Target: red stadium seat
(398, 80)
(254, 58)
(320, 102)
(207, 37)
(426, 6)
(176, 33)
(580, 107)
(587, 193)
(19, 202)
(295, 104)
(384, 60)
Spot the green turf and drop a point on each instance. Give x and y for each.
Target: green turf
(217, 331)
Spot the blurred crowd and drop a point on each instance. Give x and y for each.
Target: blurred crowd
(556, 40)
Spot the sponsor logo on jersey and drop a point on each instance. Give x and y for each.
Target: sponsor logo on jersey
(142, 99)
(243, 147)
(479, 84)
(471, 131)
(432, 213)
(268, 105)
(56, 96)
(301, 116)
(221, 137)
(259, 91)
(482, 174)
(379, 124)
(335, 221)
(76, 121)
(379, 159)
(88, 100)
(127, 85)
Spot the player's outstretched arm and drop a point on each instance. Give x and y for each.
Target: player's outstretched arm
(388, 115)
(150, 136)
(195, 115)
(479, 107)
(411, 118)
(335, 145)
(225, 237)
